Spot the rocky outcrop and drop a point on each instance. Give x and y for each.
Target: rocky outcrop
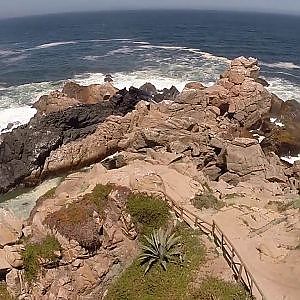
(237, 94)
(55, 101)
(283, 135)
(10, 228)
(23, 152)
(91, 94)
(80, 271)
(200, 124)
(158, 96)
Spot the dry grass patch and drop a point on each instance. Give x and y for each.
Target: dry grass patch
(75, 221)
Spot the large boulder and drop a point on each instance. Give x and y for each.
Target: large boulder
(55, 101)
(10, 228)
(91, 94)
(245, 156)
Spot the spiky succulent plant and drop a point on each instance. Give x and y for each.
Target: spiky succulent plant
(161, 247)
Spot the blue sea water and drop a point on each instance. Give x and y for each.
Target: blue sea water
(38, 54)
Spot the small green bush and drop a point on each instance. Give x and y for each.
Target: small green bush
(148, 212)
(75, 221)
(161, 248)
(99, 196)
(158, 284)
(214, 288)
(4, 295)
(207, 200)
(35, 251)
(284, 206)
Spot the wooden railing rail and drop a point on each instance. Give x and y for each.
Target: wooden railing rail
(231, 255)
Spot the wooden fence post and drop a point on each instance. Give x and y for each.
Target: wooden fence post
(240, 272)
(232, 256)
(196, 221)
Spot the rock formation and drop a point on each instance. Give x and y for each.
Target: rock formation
(206, 140)
(24, 151)
(201, 124)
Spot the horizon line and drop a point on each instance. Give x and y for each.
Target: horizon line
(155, 9)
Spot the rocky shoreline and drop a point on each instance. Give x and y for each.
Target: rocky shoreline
(227, 139)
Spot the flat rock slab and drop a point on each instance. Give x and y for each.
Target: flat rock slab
(10, 228)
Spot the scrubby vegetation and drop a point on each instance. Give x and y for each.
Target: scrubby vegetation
(157, 283)
(213, 288)
(148, 212)
(161, 248)
(76, 221)
(207, 200)
(4, 295)
(49, 194)
(283, 206)
(35, 252)
(232, 196)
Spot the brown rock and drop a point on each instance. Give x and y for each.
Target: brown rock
(10, 228)
(89, 94)
(194, 86)
(245, 156)
(55, 101)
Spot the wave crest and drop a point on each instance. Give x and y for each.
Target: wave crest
(281, 65)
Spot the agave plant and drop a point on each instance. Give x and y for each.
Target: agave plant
(161, 247)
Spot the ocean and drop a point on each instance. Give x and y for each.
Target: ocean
(39, 54)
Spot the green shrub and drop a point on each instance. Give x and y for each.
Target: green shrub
(75, 221)
(207, 200)
(148, 212)
(232, 196)
(161, 247)
(284, 206)
(99, 196)
(4, 295)
(213, 288)
(158, 284)
(35, 251)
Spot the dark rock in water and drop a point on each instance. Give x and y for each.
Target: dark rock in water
(167, 94)
(149, 88)
(276, 104)
(262, 81)
(108, 78)
(158, 96)
(10, 126)
(24, 150)
(284, 140)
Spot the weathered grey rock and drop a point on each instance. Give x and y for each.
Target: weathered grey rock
(245, 156)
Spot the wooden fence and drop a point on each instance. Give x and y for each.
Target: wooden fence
(234, 260)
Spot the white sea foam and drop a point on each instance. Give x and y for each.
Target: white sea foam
(137, 79)
(281, 65)
(122, 50)
(15, 101)
(161, 47)
(16, 116)
(54, 44)
(291, 159)
(92, 57)
(141, 43)
(8, 52)
(284, 89)
(15, 59)
(63, 43)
